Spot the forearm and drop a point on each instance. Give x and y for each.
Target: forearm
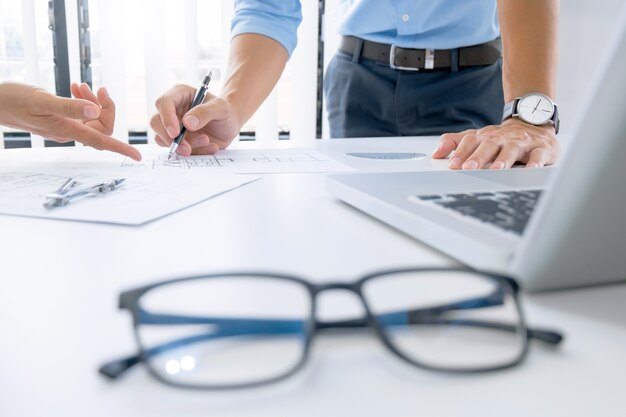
(5, 100)
(530, 46)
(12, 102)
(255, 65)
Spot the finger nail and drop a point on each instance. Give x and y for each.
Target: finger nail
(438, 149)
(532, 165)
(171, 130)
(90, 112)
(192, 122)
(455, 163)
(470, 165)
(498, 165)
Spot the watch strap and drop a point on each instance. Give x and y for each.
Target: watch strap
(556, 120)
(510, 109)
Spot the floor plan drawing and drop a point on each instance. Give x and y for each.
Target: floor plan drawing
(245, 161)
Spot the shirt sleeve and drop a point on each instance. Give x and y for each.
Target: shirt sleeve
(277, 19)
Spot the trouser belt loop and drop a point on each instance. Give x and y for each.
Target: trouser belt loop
(454, 60)
(356, 56)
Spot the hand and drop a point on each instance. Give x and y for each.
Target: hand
(87, 119)
(499, 147)
(211, 126)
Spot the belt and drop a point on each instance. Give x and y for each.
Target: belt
(423, 59)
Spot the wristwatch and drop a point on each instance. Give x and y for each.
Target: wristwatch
(535, 109)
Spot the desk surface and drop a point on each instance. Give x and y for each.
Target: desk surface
(60, 282)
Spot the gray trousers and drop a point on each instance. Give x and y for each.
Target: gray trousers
(365, 99)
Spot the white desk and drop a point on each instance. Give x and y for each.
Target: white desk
(59, 321)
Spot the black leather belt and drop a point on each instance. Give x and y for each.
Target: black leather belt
(424, 59)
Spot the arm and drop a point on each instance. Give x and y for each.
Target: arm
(530, 42)
(264, 37)
(88, 118)
(255, 65)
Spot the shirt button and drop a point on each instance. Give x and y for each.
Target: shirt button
(405, 18)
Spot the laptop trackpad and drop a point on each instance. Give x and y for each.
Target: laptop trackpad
(515, 178)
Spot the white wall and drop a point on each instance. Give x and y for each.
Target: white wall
(586, 28)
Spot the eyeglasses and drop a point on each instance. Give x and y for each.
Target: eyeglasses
(238, 330)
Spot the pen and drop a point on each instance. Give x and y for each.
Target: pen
(198, 99)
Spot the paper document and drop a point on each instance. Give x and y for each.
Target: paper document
(245, 161)
(151, 189)
(143, 197)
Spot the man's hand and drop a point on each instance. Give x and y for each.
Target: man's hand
(211, 126)
(499, 147)
(88, 118)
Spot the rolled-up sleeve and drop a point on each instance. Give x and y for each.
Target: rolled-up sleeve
(277, 19)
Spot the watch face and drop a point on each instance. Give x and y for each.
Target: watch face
(535, 109)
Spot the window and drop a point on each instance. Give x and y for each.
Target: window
(26, 43)
(140, 48)
(25, 50)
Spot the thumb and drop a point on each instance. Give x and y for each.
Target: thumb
(67, 107)
(200, 116)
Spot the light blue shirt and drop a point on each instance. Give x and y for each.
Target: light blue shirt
(435, 24)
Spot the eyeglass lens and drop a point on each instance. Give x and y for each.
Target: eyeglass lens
(448, 320)
(224, 331)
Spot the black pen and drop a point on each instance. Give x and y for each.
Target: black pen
(198, 99)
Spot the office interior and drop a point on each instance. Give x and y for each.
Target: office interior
(68, 312)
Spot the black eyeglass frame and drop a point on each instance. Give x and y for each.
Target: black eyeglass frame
(130, 300)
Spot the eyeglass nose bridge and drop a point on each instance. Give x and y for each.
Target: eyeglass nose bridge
(337, 286)
(353, 288)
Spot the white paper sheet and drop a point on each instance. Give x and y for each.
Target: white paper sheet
(154, 188)
(145, 196)
(245, 161)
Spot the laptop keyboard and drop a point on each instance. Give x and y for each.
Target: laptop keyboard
(508, 210)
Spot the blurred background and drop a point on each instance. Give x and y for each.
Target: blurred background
(140, 48)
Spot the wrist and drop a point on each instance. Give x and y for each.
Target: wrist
(5, 99)
(515, 122)
(237, 108)
(534, 109)
(11, 99)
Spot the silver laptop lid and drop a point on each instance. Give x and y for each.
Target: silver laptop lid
(577, 235)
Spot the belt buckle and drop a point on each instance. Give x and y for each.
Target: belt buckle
(392, 61)
(429, 60)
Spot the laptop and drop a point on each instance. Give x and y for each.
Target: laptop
(551, 228)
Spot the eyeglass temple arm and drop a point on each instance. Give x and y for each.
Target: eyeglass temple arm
(117, 368)
(225, 327)
(432, 315)
(404, 318)
(543, 335)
